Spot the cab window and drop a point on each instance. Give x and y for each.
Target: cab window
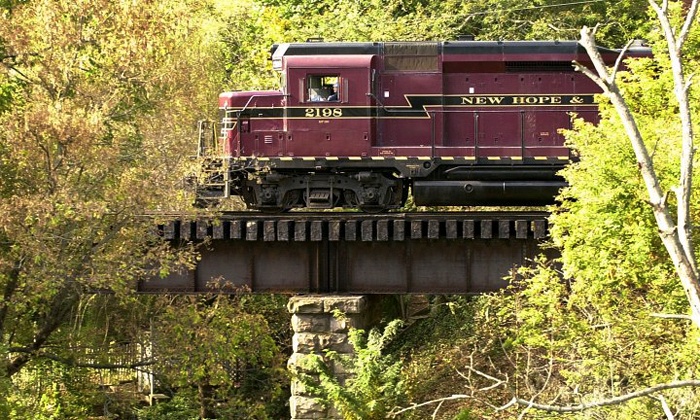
(323, 88)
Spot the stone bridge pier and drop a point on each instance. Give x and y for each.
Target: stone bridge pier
(316, 330)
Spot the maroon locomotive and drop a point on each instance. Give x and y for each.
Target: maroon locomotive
(360, 125)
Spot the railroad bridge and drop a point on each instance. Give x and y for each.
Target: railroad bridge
(346, 261)
(356, 253)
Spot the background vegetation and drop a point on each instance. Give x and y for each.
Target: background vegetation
(98, 102)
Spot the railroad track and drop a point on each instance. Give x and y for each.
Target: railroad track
(353, 226)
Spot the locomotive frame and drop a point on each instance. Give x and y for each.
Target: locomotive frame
(456, 123)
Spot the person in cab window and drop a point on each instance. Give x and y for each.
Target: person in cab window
(334, 95)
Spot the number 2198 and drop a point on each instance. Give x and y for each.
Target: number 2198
(323, 112)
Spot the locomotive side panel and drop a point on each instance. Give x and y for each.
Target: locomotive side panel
(499, 133)
(410, 102)
(541, 124)
(511, 115)
(459, 123)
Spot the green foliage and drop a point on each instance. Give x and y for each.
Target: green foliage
(9, 4)
(245, 32)
(373, 385)
(619, 21)
(622, 250)
(494, 19)
(65, 392)
(248, 29)
(8, 93)
(68, 376)
(97, 101)
(180, 407)
(535, 341)
(222, 346)
(189, 337)
(464, 415)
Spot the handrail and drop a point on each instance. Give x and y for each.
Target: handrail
(245, 107)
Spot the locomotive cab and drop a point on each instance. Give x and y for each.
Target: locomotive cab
(328, 104)
(304, 146)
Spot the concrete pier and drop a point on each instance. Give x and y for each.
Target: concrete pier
(316, 330)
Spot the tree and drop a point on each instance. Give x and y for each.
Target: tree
(220, 352)
(97, 103)
(676, 236)
(518, 19)
(588, 347)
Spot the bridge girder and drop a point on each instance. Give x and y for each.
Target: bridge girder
(446, 253)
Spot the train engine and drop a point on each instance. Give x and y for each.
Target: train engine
(360, 125)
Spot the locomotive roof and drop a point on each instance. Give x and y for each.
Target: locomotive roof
(439, 47)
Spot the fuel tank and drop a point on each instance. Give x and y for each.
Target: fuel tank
(485, 193)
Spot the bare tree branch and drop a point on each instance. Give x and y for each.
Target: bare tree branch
(594, 77)
(618, 61)
(612, 92)
(596, 404)
(665, 407)
(496, 382)
(688, 83)
(675, 46)
(437, 409)
(692, 12)
(672, 316)
(530, 404)
(423, 404)
(588, 42)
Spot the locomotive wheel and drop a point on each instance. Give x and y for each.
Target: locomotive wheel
(290, 201)
(351, 201)
(382, 207)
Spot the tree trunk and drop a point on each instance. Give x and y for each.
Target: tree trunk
(205, 394)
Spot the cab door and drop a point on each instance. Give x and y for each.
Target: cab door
(329, 107)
